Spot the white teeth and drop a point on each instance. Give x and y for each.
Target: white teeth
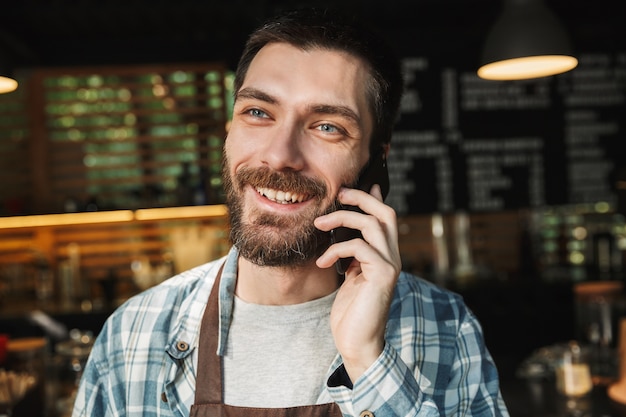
(269, 193)
(283, 197)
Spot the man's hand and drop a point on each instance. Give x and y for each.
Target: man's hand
(359, 314)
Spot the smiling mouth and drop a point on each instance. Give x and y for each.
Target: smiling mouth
(281, 197)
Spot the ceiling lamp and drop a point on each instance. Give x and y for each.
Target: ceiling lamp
(527, 41)
(7, 84)
(7, 80)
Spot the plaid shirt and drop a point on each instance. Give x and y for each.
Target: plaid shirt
(434, 362)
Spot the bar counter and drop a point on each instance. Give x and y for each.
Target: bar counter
(541, 399)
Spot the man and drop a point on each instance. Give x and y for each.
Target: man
(273, 329)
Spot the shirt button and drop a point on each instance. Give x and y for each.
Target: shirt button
(182, 346)
(366, 413)
(163, 397)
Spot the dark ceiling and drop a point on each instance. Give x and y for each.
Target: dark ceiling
(42, 33)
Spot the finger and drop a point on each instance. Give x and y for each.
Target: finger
(347, 249)
(379, 213)
(346, 218)
(369, 204)
(378, 229)
(379, 242)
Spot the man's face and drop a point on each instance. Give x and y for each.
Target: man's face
(300, 130)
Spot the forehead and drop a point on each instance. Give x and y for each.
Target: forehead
(315, 73)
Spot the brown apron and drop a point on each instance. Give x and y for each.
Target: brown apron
(209, 392)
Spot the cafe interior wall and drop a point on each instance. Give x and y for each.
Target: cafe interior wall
(43, 34)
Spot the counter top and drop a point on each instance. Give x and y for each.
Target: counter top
(540, 398)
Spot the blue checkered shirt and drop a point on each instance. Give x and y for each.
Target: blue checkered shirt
(434, 363)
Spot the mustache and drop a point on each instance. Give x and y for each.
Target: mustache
(291, 181)
(269, 240)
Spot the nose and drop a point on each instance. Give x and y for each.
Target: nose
(283, 148)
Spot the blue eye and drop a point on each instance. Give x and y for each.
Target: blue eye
(328, 128)
(257, 113)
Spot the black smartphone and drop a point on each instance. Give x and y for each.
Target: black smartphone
(374, 172)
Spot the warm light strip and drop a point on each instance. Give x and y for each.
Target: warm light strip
(117, 216)
(65, 219)
(180, 212)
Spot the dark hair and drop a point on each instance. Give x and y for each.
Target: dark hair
(327, 29)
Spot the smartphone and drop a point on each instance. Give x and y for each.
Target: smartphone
(374, 172)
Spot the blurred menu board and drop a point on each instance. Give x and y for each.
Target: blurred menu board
(463, 143)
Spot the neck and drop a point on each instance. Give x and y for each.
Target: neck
(283, 285)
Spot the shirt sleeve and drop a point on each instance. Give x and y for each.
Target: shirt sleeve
(390, 388)
(387, 388)
(474, 387)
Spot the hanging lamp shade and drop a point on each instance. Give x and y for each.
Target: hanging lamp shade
(7, 81)
(7, 84)
(527, 41)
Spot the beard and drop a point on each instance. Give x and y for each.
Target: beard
(277, 240)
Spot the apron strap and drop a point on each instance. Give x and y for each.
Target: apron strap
(209, 376)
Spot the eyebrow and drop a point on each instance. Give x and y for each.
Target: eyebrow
(343, 111)
(253, 93)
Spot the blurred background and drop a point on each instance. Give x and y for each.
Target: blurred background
(512, 193)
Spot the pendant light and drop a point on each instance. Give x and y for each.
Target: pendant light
(7, 81)
(527, 41)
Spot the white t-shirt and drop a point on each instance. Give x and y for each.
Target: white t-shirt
(278, 356)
